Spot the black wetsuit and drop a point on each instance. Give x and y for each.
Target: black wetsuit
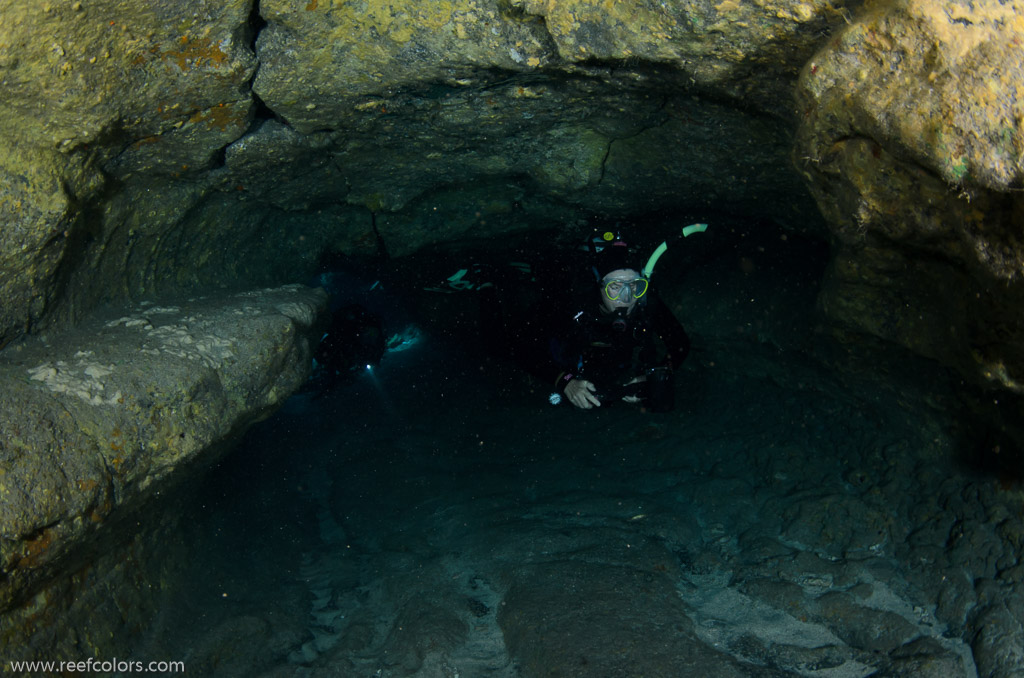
(609, 350)
(578, 341)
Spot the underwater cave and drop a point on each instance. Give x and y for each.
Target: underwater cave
(275, 275)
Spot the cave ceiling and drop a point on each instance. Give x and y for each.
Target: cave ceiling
(167, 147)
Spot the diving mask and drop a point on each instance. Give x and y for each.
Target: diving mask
(624, 291)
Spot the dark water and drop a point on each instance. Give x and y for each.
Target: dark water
(436, 517)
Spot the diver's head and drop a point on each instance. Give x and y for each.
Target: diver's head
(620, 285)
(621, 289)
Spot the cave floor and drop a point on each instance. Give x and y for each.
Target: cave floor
(436, 517)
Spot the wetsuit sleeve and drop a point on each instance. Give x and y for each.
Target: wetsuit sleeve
(669, 330)
(555, 358)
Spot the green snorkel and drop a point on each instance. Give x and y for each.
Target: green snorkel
(653, 260)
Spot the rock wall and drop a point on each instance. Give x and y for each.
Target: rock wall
(142, 143)
(912, 139)
(98, 420)
(90, 87)
(176, 147)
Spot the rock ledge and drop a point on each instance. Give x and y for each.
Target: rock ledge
(95, 420)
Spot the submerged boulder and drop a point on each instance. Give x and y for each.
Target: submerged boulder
(936, 80)
(912, 140)
(98, 419)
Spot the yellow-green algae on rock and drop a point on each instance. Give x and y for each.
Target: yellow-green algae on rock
(321, 59)
(912, 140)
(87, 87)
(370, 106)
(106, 67)
(939, 81)
(318, 58)
(735, 46)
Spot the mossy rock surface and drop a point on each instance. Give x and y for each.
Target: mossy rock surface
(912, 140)
(97, 419)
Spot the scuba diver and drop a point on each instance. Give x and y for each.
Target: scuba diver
(354, 339)
(616, 342)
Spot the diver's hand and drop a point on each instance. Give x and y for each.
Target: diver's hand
(580, 393)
